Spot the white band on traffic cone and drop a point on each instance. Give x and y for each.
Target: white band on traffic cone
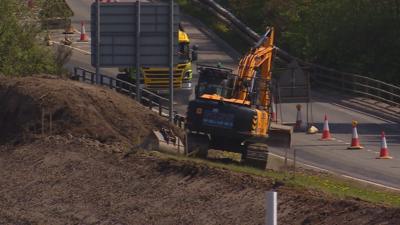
(355, 134)
(326, 135)
(326, 125)
(383, 143)
(355, 141)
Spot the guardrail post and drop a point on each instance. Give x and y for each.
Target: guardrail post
(101, 79)
(92, 78)
(130, 91)
(118, 85)
(76, 76)
(110, 83)
(150, 102)
(159, 107)
(84, 75)
(176, 119)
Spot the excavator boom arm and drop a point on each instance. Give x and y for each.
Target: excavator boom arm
(254, 71)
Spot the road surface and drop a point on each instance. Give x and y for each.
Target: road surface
(332, 155)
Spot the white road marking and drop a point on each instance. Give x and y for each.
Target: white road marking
(343, 175)
(314, 167)
(74, 48)
(82, 42)
(371, 182)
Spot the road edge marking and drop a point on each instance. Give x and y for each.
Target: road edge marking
(340, 174)
(74, 48)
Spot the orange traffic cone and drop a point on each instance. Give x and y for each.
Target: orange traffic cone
(66, 41)
(274, 118)
(47, 40)
(326, 134)
(299, 121)
(69, 30)
(355, 141)
(84, 36)
(384, 154)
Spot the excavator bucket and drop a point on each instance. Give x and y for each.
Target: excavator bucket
(280, 136)
(168, 142)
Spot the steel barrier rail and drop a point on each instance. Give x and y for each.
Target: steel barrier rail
(148, 98)
(362, 86)
(352, 83)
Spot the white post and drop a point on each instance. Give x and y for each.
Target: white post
(271, 208)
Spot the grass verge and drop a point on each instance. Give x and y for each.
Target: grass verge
(326, 183)
(196, 10)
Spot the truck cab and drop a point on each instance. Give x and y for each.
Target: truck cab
(157, 79)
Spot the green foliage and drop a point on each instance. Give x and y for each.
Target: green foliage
(55, 8)
(193, 8)
(20, 51)
(360, 36)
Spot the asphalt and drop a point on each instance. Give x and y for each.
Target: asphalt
(330, 155)
(334, 155)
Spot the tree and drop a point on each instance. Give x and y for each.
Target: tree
(20, 51)
(359, 36)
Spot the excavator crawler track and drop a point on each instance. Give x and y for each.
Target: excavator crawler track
(256, 155)
(197, 145)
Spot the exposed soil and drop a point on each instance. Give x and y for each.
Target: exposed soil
(76, 181)
(73, 108)
(84, 179)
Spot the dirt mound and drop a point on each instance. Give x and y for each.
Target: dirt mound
(72, 108)
(71, 181)
(70, 177)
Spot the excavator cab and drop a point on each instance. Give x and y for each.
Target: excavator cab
(214, 81)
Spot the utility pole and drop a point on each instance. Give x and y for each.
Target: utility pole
(138, 51)
(98, 43)
(171, 63)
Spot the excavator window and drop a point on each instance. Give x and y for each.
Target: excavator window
(211, 89)
(214, 81)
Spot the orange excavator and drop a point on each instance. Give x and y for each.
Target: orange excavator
(233, 112)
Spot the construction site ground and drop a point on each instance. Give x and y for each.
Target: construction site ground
(91, 167)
